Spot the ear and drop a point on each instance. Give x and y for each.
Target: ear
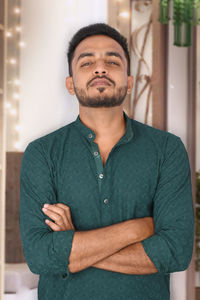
(69, 85)
(130, 84)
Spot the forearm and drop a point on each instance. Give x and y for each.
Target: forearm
(129, 260)
(89, 247)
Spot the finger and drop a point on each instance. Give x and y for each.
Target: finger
(52, 225)
(64, 206)
(70, 219)
(56, 209)
(63, 210)
(54, 216)
(61, 219)
(67, 211)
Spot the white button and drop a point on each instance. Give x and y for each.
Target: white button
(96, 153)
(90, 135)
(105, 201)
(101, 176)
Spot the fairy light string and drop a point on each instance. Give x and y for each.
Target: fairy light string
(14, 48)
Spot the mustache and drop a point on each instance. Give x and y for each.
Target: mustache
(89, 82)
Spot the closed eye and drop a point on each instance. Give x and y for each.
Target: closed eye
(113, 63)
(85, 64)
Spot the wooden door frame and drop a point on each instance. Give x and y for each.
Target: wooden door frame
(159, 70)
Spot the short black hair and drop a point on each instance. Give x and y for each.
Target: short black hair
(95, 29)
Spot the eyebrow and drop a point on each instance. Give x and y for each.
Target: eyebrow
(112, 53)
(82, 55)
(109, 53)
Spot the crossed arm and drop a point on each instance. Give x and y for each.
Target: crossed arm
(115, 248)
(130, 247)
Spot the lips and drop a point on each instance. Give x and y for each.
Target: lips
(100, 81)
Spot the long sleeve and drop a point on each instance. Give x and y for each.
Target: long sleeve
(170, 249)
(45, 251)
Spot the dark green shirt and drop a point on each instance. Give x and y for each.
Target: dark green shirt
(147, 173)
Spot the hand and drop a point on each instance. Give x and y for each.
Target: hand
(60, 214)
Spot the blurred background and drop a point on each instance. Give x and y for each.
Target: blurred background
(164, 44)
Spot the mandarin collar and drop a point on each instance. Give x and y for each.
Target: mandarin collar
(89, 134)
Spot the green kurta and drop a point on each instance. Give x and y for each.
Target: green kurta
(147, 173)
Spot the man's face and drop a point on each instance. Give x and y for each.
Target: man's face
(99, 73)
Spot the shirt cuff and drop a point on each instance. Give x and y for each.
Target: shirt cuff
(62, 241)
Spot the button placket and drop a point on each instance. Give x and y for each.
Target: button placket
(98, 162)
(104, 193)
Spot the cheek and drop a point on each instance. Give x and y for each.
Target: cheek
(80, 79)
(120, 77)
(121, 82)
(124, 81)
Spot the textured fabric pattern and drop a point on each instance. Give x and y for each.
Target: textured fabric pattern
(147, 173)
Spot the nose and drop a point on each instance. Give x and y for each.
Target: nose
(100, 69)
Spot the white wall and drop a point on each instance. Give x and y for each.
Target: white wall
(47, 27)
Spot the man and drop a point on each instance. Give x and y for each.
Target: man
(106, 205)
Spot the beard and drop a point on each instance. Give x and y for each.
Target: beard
(101, 100)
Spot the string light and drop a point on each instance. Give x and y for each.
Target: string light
(18, 145)
(18, 28)
(124, 14)
(7, 104)
(13, 61)
(13, 112)
(9, 34)
(17, 10)
(22, 44)
(18, 127)
(16, 82)
(16, 96)
(13, 84)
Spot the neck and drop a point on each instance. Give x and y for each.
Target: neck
(107, 123)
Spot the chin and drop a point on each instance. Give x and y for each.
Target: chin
(102, 90)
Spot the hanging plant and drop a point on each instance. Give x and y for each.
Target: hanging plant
(185, 15)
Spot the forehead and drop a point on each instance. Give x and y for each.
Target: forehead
(98, 44)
